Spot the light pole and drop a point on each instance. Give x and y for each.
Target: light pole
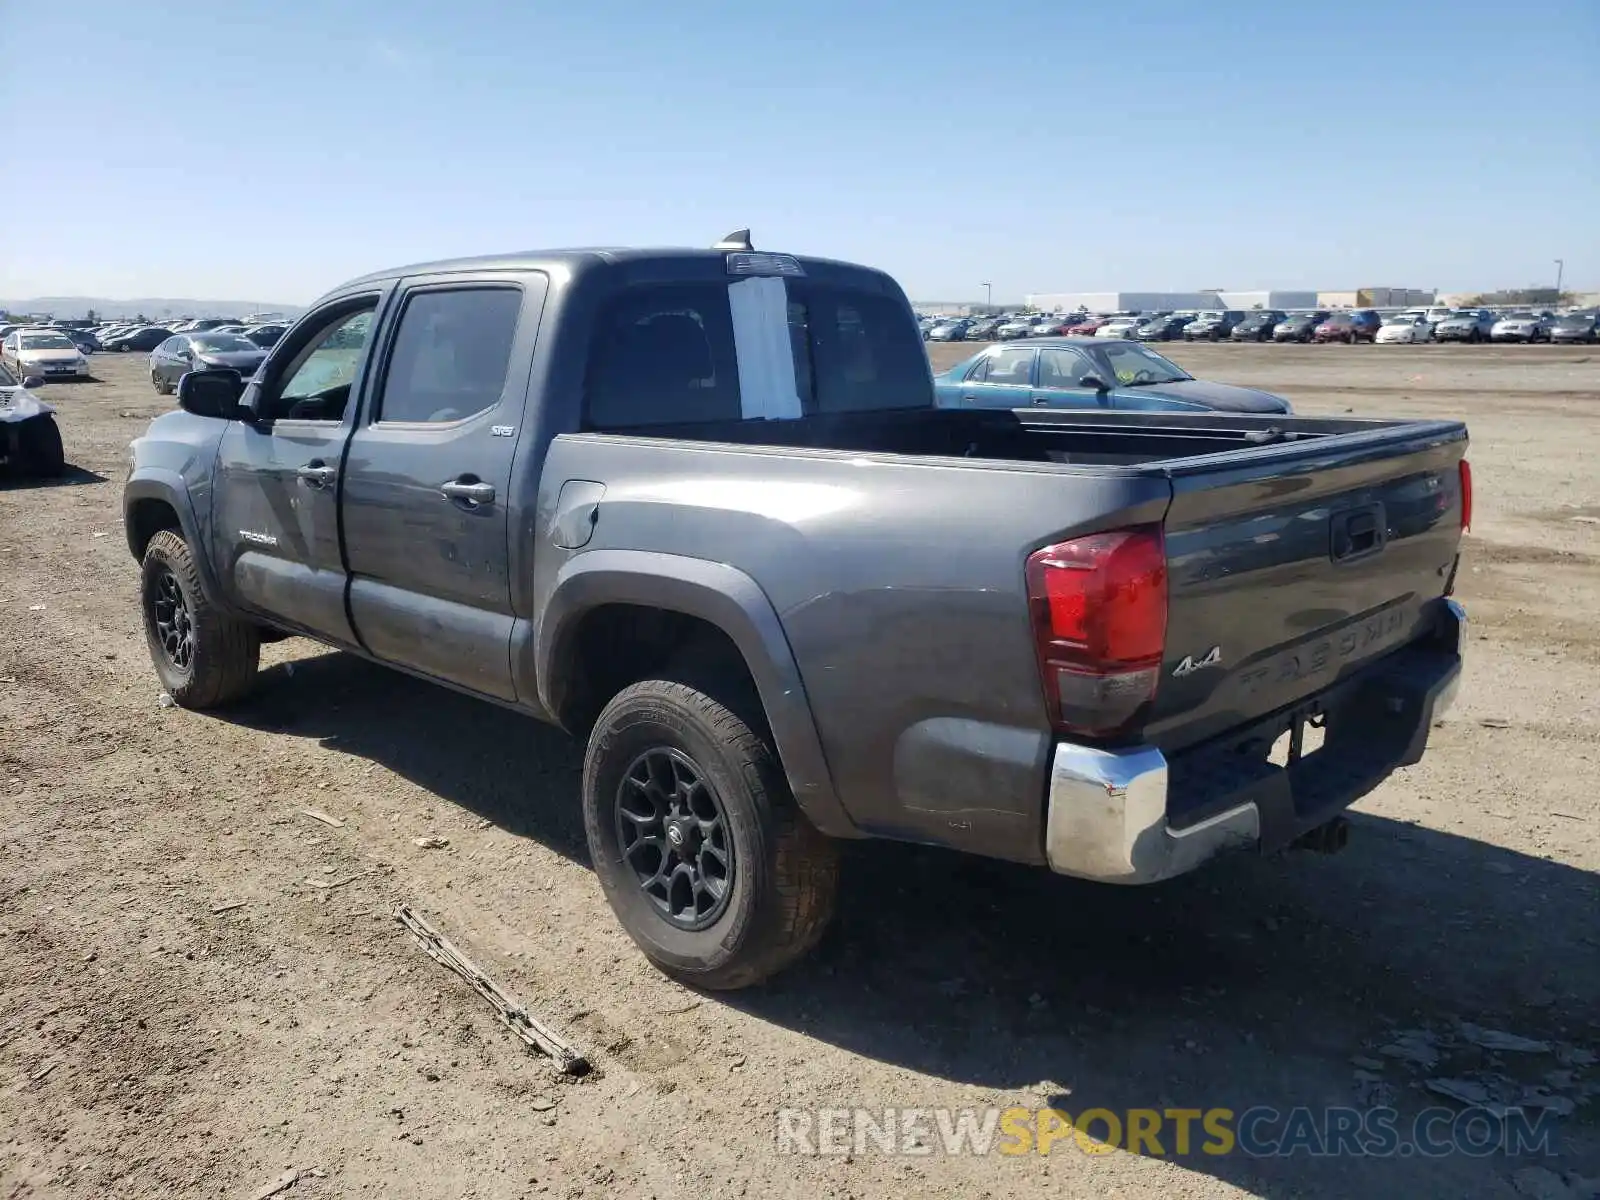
(1560, 267)
(988, 295)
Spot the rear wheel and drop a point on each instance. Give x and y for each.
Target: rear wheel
(701, 850)
(204, 657)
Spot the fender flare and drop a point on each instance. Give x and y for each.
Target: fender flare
(159, 483)
(722, 596)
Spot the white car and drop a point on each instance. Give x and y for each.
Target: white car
(1119, 327)
(1404, 327)
(1522, 327)
(43, 353)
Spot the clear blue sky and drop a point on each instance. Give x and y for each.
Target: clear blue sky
(269, 151)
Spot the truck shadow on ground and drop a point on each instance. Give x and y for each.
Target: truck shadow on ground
(71, 477)
(1251, 984)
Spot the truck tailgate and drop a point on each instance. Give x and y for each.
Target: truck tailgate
(1291, 566)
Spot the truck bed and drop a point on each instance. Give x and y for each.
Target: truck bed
(1069, 437)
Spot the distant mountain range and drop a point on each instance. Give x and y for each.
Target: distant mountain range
(157, 308)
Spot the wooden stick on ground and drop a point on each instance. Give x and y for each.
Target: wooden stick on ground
(511, 1012)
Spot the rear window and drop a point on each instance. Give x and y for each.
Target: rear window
(665, 354)
(854, 351)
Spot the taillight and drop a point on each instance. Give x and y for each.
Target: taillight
(1099, 609)
(1466, 495)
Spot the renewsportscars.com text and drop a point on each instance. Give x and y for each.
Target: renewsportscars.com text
(1260, 1132)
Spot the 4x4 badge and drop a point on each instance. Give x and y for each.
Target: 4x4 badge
(1190, 664)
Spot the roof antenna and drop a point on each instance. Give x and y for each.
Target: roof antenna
(739, 239)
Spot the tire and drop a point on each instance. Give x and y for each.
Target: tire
(159, 382)
(36, 447)
(781, 875)
(217, 663)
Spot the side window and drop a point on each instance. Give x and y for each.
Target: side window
(1062, 368)
(1014, 367)
(663, 355)
(315, 385)
(1130, 364)
(450, 355)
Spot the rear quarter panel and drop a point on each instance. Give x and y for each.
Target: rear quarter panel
(899, 586)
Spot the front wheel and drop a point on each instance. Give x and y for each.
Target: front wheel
(36, 446)
(159, 382)
(204, 657)
(700, 848)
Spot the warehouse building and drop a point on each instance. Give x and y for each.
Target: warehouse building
(1376, 297)
(1171, 301)
(1122, 301)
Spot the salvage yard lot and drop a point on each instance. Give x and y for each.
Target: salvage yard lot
(201, 987)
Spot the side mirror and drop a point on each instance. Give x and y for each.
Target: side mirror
(1095, 382)
(212, 393)
(32, 381)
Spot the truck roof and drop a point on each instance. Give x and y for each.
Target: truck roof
(577, 259)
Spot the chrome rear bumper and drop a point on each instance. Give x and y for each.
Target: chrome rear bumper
(1108, 809)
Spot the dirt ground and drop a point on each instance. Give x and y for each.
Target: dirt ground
(184, 1011)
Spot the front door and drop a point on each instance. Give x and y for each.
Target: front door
(1060, 371)
(427, 505)
(276, 509)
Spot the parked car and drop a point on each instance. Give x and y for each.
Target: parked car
(1119, 327)
(1522, 327)
(185, 352)
(1016, 327)
(1090, 373)
(1575, 327)
(43, 353)
(1213, 325)
(86, 342)
(30, 440)
(1300, 327)
(1088, 324)
(1053, 326)
(739, 712)
(1465, 325)
(983, 331)
(1163, 329)
(1404, 327)
(144, 338)
(1356, 325)
(950, 331)
(1258, 326)
(1436, 314)
(265, 336)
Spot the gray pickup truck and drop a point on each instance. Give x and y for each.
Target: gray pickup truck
(699, 508)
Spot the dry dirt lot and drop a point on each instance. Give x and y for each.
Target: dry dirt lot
(154, 1045)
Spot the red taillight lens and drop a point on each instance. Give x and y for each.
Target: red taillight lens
(1099, 608)
(1466, 495)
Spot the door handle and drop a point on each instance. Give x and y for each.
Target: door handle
(469, 490)
(316, 474)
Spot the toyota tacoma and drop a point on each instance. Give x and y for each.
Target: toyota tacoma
(700, 509)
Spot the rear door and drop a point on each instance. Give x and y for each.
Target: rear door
(1002, 378)
(276, 508)
(427, 481)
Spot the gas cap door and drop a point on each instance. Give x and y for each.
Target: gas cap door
(577, 510)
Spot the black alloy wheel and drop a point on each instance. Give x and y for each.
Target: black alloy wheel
(673, 835)
(171, 619)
